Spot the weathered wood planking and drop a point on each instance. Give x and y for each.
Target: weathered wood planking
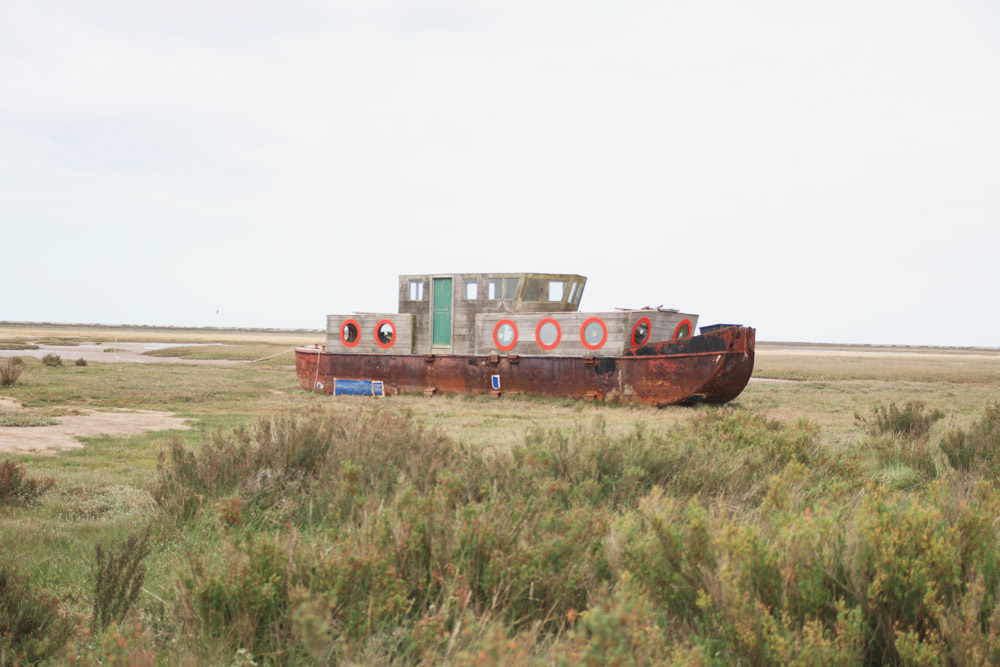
(403, 344)
(522, 298)
(663, 324)
(464, 311)
(570, 324)
(619, 326)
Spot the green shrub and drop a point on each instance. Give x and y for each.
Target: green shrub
(425, 531)
(912, 420)
(117, 576)
(721, 453)
(16, 488)
(667, 552)
(52, 360)
(893, 579)
(745, 593)
(10, 371)
(368, 454)
(978, 448)
(33, 627)
(906, 462)
(919, 571)
(426, 567)
(252, 600)
(619, 628)
(706, 542)
(186, 480)
(589, 466)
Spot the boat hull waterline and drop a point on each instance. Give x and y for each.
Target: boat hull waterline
(712, 368)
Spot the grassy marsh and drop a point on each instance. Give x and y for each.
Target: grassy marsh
(270, 354)
(799, 362)
(520, 530)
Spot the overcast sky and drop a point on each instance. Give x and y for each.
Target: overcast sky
(824, 171)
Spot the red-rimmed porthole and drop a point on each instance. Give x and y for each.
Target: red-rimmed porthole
(683, 329)
(548, 333)
(641, 332)
(594, 333)
(505, 335)
(350, 333)
(385, 334)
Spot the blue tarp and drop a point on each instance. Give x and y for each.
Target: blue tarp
(357, 388)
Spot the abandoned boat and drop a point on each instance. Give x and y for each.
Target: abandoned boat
(521, 333)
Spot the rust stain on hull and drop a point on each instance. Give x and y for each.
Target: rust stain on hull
(712, 368)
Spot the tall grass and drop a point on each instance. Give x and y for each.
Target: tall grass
(117, 576)
(913, 419)
(10, 371)
(977, 448)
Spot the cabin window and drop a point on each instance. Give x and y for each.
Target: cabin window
(556, 290)
(594, 333)
(416, 290)
(501, 288)
(350, 334)
(385, 334)
(575, 291)
(683, 329)
(505, 335)
(471, 290)
(548, 334)
(640, 332)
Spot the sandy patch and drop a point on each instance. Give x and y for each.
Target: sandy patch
(9, 404)
(63, 436)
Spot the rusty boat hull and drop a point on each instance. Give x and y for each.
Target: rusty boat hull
(713, 367)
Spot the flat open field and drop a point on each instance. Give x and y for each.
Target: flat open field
(788, 463)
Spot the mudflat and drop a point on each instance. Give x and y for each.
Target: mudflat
(83, 423)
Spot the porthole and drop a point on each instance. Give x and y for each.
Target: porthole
(594, 333)
(385, 334)
(640, 332)
(505, 335)
(350, 333)
(548, 333)
(683, 329)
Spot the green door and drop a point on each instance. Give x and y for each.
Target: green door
(442, 312)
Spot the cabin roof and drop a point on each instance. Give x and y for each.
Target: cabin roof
(498, 274)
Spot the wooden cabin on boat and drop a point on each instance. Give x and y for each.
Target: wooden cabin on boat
(532, 314)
